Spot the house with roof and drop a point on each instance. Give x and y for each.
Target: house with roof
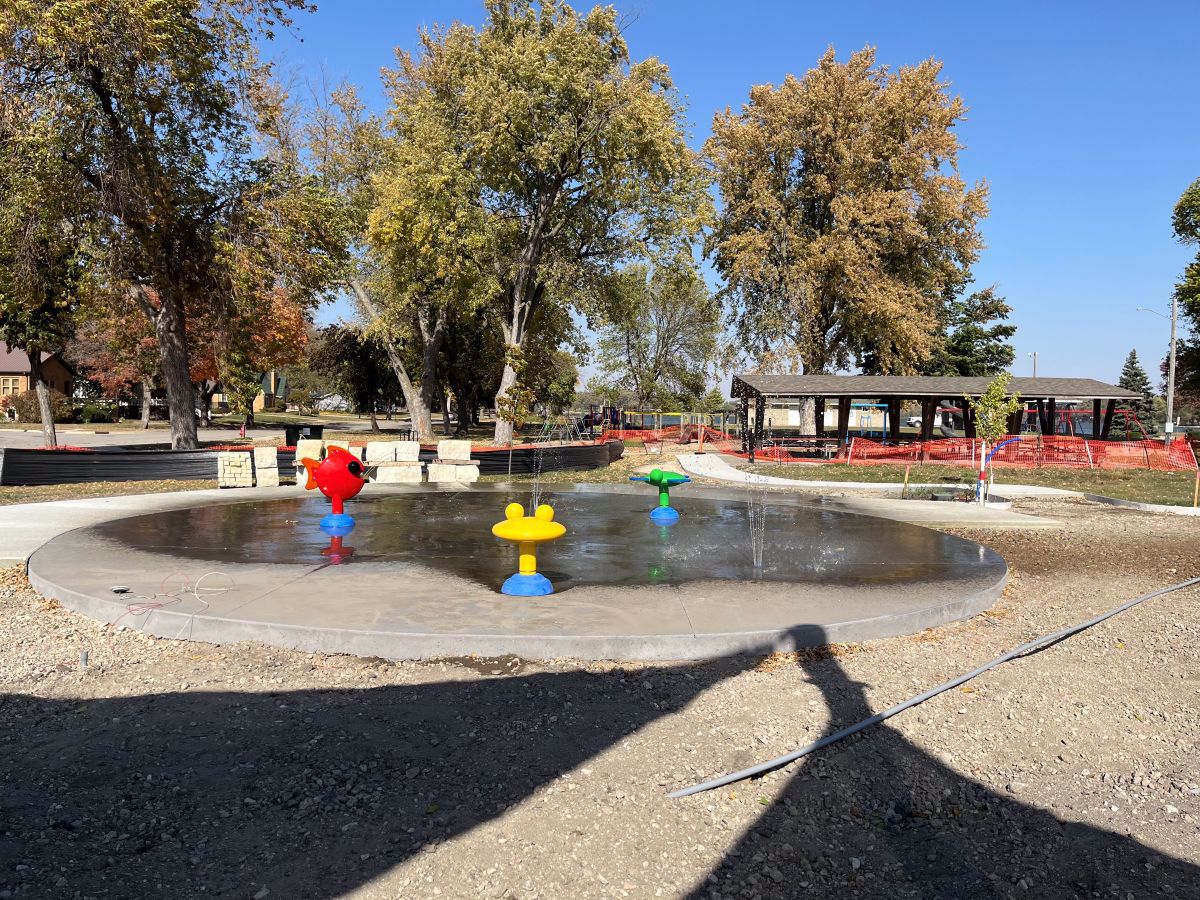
(14, 372)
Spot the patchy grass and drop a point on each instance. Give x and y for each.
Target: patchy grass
(10, 494)
(1143, 485)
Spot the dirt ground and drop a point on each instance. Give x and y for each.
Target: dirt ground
(171, 769)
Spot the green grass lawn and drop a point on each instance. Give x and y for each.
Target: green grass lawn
(1173, 488)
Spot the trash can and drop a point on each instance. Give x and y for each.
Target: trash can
(293, 433)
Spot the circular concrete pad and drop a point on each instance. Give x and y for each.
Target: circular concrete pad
(422, 578)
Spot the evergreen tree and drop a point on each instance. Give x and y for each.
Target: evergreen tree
(1134, 378)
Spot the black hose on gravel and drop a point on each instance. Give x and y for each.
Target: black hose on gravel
(1024, 650)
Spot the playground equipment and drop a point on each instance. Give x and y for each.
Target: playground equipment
(527, 532)
(339, 477)
(663, 514)
(336, 552)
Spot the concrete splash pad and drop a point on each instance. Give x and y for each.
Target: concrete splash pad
(422, 580)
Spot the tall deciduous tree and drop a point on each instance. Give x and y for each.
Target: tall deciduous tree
(845, 224)
(1186, 224)
(658, 335)
(145, 100)
(358, 366)
(569, 157)
(43, 247)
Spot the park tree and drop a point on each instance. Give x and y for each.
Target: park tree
(659, 333)
(845, 226)
(147, 103)
(398, 272)
(1186, 225)
(357, 365)
(968, 344)
(1134, 378)
(560, 156)
(44, 245)
(115, 349)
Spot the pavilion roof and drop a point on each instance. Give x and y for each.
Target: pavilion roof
(913, 387)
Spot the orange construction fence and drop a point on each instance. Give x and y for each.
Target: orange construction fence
(1028, 451)
(1033, 452)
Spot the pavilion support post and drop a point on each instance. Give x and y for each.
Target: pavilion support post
(745, 423)
(760, 413)
(843, 426)
(894, 420)
(928, 408)
(1041, 407)
(1108, 417)
(968, 418)
(1015, 421)
(1096, 419)
(1052, 416)
(819, 416)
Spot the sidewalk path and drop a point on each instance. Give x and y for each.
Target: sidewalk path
(710, 465)
(936, 514)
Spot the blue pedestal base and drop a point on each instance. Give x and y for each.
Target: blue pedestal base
(340, 521)
(534, 585)
(664, 515)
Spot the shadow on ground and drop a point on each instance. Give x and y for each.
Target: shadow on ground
(314, 793)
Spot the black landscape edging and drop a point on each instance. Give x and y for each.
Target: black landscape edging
(32, 467)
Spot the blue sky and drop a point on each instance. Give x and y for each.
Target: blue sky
(1080, 119)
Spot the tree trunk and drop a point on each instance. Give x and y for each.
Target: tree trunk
(171, 331)
(504, 429)
(49, 435)
(418, 411)
(147, 390)
(374, 420)
(446, 414)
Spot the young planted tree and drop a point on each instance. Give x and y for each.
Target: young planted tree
(1134, 378)
(145, 101)
(658, 335)
(565, 156)
(845, 226)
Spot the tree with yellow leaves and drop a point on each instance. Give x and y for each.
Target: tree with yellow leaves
(845, 224)
(537, 157)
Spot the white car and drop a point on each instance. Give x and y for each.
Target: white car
(913, 421)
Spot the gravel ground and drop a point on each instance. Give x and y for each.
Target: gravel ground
(171, 769)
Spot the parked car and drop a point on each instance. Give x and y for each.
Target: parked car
(913, 421)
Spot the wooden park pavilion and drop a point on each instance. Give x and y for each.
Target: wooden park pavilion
(754, 391)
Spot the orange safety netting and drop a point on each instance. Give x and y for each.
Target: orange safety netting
(1033, 452)
(1029, 451)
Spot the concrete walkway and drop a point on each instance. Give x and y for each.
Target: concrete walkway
(709, 465)
(935, 514)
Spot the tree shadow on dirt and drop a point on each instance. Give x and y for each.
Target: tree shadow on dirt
(313, 793)
(875, 816)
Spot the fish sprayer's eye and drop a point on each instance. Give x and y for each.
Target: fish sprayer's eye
(355, 469)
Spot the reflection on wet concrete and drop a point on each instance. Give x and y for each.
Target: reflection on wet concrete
(610, 541)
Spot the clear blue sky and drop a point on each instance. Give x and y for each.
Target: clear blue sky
(1082, 119)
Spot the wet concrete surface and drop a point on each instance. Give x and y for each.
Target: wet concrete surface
(422, 579)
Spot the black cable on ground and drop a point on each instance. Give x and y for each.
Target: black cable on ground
(1024, 650)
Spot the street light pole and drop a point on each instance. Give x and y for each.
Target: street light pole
(1033, 356)
(1168, 431)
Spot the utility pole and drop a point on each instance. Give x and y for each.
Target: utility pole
(1033, 356)
(1169, 430)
